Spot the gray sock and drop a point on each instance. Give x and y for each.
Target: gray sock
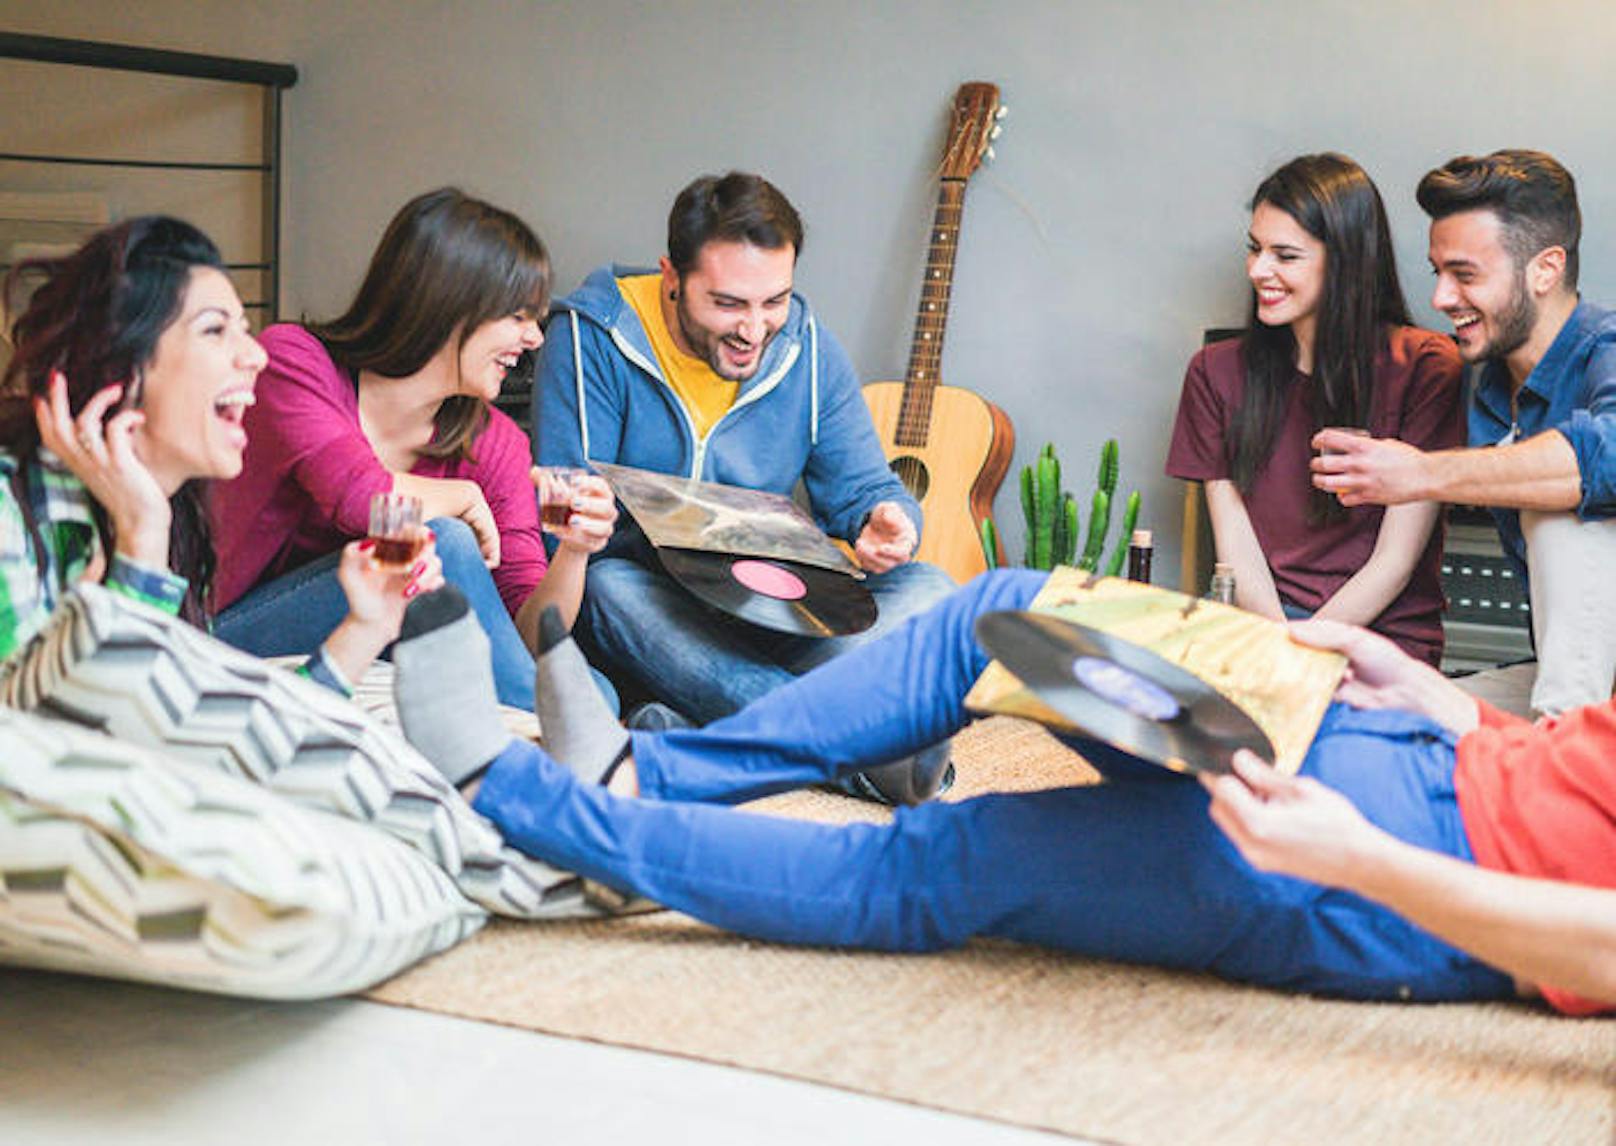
(578, 728)
(443, 684)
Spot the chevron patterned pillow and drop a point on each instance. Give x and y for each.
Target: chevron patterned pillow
(120, 667)
(117, 861)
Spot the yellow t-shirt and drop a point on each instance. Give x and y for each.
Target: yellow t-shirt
(705, 395)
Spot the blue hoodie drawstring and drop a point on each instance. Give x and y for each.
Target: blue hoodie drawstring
(578, 371)
(813, 381)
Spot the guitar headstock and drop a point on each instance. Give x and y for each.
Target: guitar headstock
(976, 114)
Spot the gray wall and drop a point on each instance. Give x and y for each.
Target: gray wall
(1105, 237)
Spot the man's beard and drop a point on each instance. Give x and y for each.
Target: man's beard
(706, 345)
(1514, 323)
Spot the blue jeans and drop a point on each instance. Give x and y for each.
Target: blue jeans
(295, 613)
(706, 663)
(1120, 870)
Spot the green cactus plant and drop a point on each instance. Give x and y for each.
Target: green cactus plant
(1105, 488)
(1052, 517)
(1130, 518)
(990, 543)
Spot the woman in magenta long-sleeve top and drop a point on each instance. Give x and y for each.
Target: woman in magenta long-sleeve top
(396, 395)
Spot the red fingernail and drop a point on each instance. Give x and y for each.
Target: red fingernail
(366, 545)
(411, 590)
(420, 568)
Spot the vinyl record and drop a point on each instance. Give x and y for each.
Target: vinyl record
(786, 596)
(1122, 693)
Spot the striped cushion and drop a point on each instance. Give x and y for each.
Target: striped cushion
(147, 678)
(115, 860)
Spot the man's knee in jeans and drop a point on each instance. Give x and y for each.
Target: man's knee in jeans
(905, 592)
(1573, 610)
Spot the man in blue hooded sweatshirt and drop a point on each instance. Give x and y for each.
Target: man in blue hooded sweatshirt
(711, 367)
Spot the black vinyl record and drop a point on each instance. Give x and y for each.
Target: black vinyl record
(786, 596)
(1122, 693)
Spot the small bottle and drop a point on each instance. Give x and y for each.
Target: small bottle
(1139, 553)
(1222, 588)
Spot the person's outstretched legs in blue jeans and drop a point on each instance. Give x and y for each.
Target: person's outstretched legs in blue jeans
(1132, 871)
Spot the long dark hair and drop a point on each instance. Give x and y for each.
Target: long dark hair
(96, 316)
(446, 264)
(1332, 199)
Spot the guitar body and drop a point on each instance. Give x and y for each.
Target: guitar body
(953, 475)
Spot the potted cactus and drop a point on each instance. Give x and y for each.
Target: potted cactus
(1052, 517)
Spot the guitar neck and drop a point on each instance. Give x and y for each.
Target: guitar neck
(931, 318)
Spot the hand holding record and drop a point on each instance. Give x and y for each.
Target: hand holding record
(1122, 693)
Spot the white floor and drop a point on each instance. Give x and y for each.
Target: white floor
(84, 1060)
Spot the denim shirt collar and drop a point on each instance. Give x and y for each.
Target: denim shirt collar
(1537, 394)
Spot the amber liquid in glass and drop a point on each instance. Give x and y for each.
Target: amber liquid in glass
(397, 551)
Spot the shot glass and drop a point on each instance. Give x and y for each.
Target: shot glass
(395, 527)
(557, 486)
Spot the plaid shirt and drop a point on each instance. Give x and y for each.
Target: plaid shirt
(59, 505)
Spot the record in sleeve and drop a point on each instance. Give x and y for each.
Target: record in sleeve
(1123, 693)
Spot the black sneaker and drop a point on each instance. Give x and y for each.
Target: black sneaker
(654, 716)
(907, 782)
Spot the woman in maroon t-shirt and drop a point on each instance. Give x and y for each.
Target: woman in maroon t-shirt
(1327, 344)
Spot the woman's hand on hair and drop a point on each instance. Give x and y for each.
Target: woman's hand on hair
(101, 453)
(594, 514)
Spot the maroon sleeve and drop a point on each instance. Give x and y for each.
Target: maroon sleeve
(1197, 452)
(501, 470)
(1432, 416)
(307, 417)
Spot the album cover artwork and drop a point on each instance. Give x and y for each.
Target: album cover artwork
(678, 513)
(1282, 686)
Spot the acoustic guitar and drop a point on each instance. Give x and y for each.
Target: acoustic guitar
(950, 447)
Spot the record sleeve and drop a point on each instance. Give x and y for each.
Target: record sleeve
(680, 513)
(1282, 686)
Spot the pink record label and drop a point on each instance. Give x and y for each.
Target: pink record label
(769, 580)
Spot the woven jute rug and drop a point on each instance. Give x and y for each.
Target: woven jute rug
(1105, 1051)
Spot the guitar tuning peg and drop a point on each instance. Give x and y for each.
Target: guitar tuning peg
(996, 132)
(1003, 110)
(988, 154)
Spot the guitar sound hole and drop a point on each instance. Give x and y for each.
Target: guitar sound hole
(912, 472)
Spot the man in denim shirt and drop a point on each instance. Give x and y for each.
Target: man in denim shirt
(1504, 231)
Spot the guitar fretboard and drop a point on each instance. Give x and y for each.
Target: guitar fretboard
(926, 349)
